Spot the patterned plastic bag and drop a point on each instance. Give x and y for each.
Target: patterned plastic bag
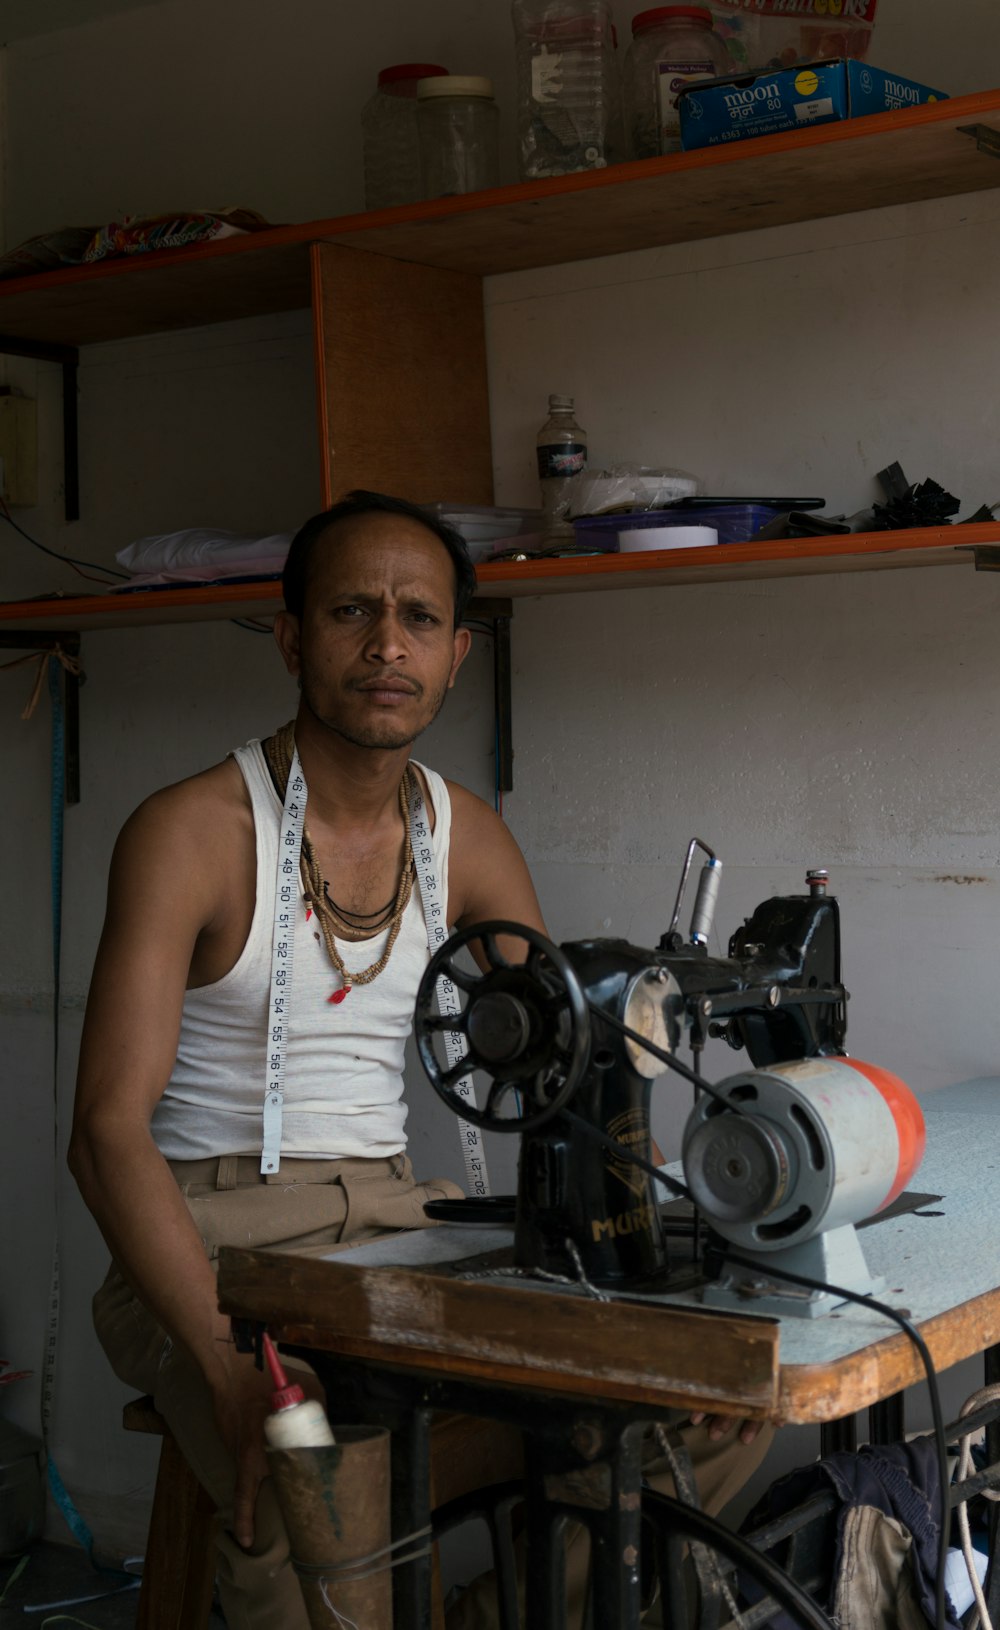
(779, 33)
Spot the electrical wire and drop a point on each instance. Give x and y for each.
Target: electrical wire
(716, 1253)
(67, 560)
(986, 1395)
(910, 1329)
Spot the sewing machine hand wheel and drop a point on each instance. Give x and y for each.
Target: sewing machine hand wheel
(525, 1023)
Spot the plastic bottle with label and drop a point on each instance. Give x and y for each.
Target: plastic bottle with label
(457, 120)
(671, 46)
(298, 1422)
(568, 94)
(562, 453)
(389, 135)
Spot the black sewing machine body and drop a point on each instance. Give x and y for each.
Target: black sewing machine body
(582, 1208)
(610, 1209)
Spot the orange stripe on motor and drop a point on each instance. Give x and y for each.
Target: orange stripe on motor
(909, 1119)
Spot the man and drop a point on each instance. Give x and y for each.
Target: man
(168, 1129)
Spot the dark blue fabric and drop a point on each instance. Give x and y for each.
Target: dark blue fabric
(899, 1479)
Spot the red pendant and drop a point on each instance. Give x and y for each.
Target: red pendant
(338, 995)
(308, 912)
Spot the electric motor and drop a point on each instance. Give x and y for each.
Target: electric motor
(800, 1149)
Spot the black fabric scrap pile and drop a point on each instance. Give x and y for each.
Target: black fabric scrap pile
(924, 504)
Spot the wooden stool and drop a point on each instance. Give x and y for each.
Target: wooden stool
(179, 1570)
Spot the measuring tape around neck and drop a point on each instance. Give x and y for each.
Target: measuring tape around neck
(293, 819)
(473, 1152)
(286, 893)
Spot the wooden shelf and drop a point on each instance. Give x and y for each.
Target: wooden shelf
(727, 563)
(888, 158)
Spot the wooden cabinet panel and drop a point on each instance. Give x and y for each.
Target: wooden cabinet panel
(401, 373)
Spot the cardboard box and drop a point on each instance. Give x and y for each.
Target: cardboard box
(814, 93)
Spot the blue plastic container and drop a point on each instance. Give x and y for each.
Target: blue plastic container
(735, 523)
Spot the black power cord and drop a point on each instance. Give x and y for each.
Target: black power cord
(717, 1254)
(838, 1291)
(67, 560)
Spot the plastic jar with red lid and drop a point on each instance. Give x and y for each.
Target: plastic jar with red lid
(389, 135)
(671, 46)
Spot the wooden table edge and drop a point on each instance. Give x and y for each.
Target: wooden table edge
(426, 1350)
(809, 1394)
(804, 1394)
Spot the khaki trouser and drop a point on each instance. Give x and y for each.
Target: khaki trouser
(309, 1204)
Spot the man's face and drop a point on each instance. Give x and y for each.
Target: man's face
(376, 649)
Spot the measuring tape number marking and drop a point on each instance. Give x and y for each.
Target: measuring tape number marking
(293, 817)
(449, 1004)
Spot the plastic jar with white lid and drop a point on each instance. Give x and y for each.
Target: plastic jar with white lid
(389, 135)
(671, 46)
(457, 120)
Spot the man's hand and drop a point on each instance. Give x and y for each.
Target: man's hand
(719, 1426)
(241, 1395)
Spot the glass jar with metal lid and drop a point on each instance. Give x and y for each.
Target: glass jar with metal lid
(671, 46)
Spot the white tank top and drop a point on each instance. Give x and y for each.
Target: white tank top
(344, 1064)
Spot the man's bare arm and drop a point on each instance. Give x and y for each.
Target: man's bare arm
(156, 911)
(488, 875)
(161, 899)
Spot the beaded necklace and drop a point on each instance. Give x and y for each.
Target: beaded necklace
(278, 751)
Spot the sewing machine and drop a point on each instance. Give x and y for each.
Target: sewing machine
(780, 1160)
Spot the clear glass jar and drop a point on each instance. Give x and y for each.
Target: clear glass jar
(389, 135)
(568, 96)
(671, 46)
(457, 121)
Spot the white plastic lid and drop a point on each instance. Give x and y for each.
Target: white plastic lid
(454, 85)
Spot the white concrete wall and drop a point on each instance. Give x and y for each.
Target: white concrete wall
(851, 721)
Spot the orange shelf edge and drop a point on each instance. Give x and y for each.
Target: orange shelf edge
(333, 228)
(859, 551)
(861, 163)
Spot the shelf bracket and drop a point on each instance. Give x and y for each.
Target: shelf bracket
(987, 139)
(986, 557)
(500, 613)
(67, 357)
(19, 640)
